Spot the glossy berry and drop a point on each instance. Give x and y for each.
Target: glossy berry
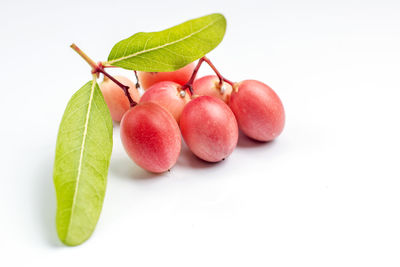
(209, 128)
(151, 137)
(168, 95)
(181, 76)
(258, 110)
(210, 85)
(115, 97)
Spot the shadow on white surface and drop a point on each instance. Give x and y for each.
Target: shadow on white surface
(122, 166)
(247, 142)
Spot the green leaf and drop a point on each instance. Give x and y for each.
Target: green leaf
(83, 152)
(170, 49)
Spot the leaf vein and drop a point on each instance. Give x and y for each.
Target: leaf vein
(164, 45)
(82, 149)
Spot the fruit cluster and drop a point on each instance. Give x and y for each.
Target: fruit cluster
(208, 112)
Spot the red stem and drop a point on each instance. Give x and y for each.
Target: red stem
(125, 88)
(221, 78)
(99, 68)
(137, 80)
(189, 84)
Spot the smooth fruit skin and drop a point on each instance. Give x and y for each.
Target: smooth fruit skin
(258, 110)
(115, 97)
(168, 95)
(151, 137)
(209, 85)
(181, 76)
(209, 128)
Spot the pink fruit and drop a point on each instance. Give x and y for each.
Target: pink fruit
(181, 76)
(209, 85)
(151, 137)
(258, 110)
(169, 96)
(209, 128)
(115, 97)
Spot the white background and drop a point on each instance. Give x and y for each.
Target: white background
(325, 193)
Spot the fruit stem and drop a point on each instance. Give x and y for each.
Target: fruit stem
(189, 84)
(137, 80)
(221, 78)
(99, 68)
(124, 87)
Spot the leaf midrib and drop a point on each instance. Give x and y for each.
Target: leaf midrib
(164, 45)
(81, 156)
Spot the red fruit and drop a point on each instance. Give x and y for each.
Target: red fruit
(151, 137)
(169, 96)
(209, 128)
(115, 97)
(258, 110)
(209, 85)
(181, 76)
